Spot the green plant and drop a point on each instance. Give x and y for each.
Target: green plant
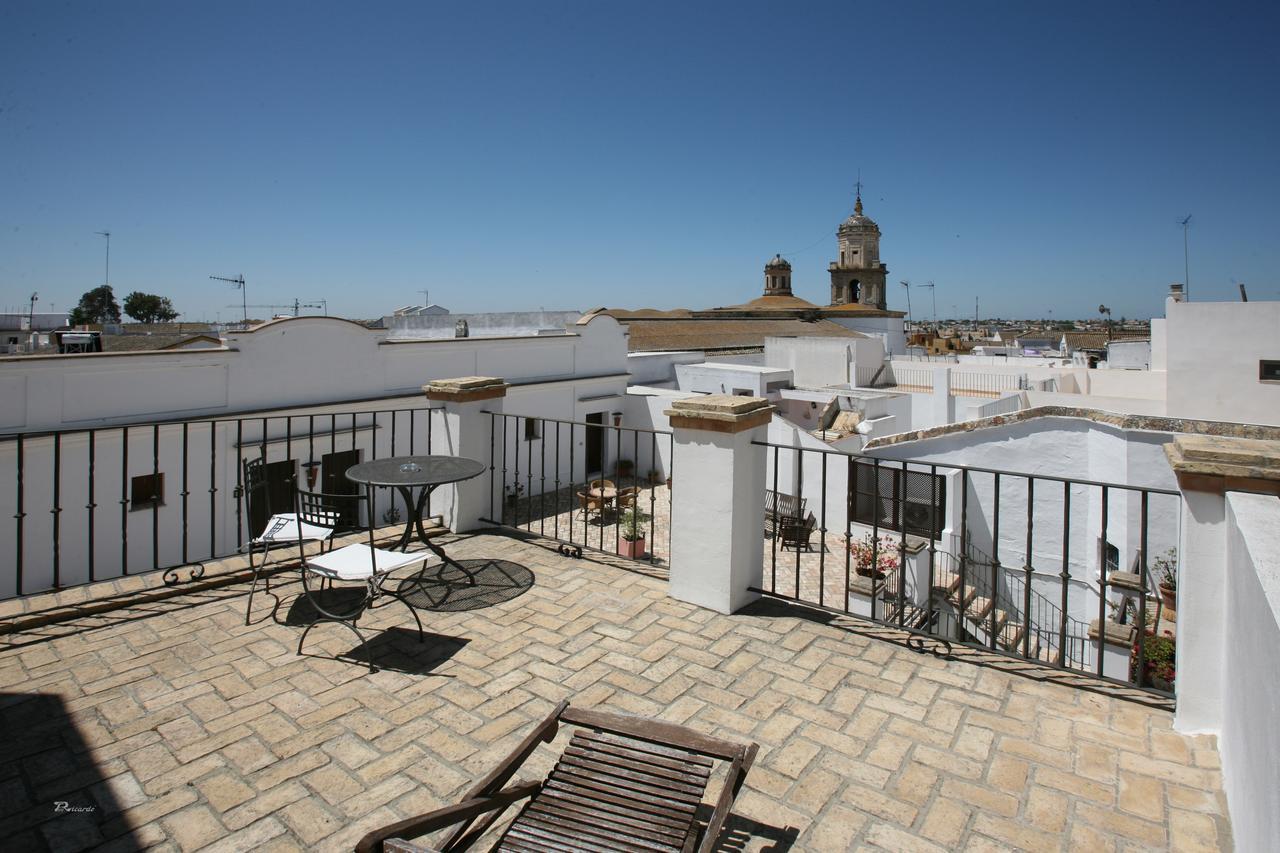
(1166, 568)
(632, 523)
(1160, 652)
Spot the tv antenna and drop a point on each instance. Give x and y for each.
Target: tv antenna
(1185, 222)
(426, 298)
(238, 281)
(931, 287)
(107, 272)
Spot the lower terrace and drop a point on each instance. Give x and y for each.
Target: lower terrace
(176, 726)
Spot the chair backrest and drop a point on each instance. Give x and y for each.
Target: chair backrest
(268, 489)
(602, 484)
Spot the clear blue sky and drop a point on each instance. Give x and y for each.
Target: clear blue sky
(567, 155)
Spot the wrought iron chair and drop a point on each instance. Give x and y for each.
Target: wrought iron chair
(622, 783)
(357, 563)
(280, 530)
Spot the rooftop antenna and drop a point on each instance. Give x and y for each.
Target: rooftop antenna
(238, 281)
(934, 294)
(426, 298)
(31, 321)
(1185, 222)
(907, 285)
(107, 272)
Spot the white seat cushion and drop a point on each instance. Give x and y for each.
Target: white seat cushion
(353, 562)
(284, 528)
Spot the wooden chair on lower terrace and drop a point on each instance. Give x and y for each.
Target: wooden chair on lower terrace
(622, 783)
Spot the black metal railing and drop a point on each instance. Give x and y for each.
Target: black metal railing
(584, 484)
(1011, 562)
(171, 493)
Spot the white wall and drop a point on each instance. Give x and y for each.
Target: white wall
(1249, 743)
(1129, 355)
(818, 362)
(738, 379)
(659, 368)
(292, 362)
(1213, 354)
(889, 331)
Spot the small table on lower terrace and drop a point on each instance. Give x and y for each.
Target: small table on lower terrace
(425, 474)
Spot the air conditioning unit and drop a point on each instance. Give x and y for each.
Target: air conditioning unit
(917, 516)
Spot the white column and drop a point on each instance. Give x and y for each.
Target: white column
(943, 405)
(1207, 467)
(466, 403)
(717, 500)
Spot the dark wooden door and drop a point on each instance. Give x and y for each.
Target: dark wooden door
(594, 456)
(275, 495)
(333, 481)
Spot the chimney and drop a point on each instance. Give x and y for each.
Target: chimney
(1176, 292)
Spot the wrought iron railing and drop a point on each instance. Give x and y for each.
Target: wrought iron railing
(107, 502)
(997, 559)
(600, 486)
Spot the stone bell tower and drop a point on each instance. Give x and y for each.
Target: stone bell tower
(777, 277)
(858, 277)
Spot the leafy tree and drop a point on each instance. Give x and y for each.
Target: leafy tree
(149, 308)
(97, 306)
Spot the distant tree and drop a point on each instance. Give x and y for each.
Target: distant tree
(149, 308)
(97, 306)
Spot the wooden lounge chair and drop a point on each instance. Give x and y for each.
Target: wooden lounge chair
(622, 783)
(795, 533)
(779, 506)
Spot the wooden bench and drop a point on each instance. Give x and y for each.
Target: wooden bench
(779, 506)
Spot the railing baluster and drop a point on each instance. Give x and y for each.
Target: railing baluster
(773, 545)
(1102, 582)
(850, 504)
(92, 505)
(213, 488)
(901, 604)
(1066, 572)
(1142, 593)
(56, 510)
(822, 538)
(933, 546)
(573, 491)
(1026, 568)
(155, 497)
(492, 461)
(963, 594)
(798, 521)
(505, 420)
(995, 563)
(186, 491)
(556, 479)
(875, 532)
(653, 492)
(124, 501)
(20, 515)
(429, 448)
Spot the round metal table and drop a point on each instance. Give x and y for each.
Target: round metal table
(423, 473)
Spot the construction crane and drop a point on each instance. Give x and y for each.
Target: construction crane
(238, 281)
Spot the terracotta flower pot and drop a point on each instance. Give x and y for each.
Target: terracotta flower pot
(631, 548)
(1169, 596)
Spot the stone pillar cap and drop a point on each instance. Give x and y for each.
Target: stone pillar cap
(720, 413)
(1215, 463)
(465, 388)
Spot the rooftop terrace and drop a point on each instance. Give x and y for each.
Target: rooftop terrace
(181, 728)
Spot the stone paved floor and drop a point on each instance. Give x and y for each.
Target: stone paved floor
(181, 728)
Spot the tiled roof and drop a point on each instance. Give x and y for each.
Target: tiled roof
(1098, 340)
(712, 334)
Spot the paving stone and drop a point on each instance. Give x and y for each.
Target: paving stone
(204, 731)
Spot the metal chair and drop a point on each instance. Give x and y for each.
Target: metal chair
(356, 563)
(280, 530)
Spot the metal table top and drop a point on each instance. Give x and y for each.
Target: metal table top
(415, 471)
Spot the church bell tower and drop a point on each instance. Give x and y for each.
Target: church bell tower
(858, 276)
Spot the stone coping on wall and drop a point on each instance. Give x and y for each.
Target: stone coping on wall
(1219, 464)
(464, 389)
(720, 413)
(1147, 423)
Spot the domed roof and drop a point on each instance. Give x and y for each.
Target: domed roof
(857, 220)
(778, 262)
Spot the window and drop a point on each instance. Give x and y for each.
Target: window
(532, 429)
(1269, 371)
(146, 491)
(910, 499)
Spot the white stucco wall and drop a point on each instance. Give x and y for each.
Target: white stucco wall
(659, 368)
(1249, 743)
(1213, 354)
(823, 361)
(890, 331)
(298, 361)
(737, 379)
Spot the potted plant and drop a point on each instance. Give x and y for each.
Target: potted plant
(625, 467)
(871, 560)
(631, 529)
(1166, 569)
(1160, 652)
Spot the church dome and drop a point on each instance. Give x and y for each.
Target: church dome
(778, 262)
(857, 220)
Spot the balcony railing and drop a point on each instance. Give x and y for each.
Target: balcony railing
(96, 504)
(584, 484)
(1017, 564)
